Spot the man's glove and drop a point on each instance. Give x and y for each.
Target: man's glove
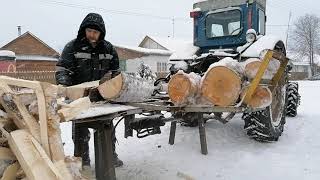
(94, 95)
(63, 79)
(105, 78)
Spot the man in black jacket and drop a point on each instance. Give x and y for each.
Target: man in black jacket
(87, 58)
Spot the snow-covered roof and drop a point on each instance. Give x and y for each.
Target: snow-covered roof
(6, 53)
(182, 49)
(146, 51)
(297, 59)
(36, 58)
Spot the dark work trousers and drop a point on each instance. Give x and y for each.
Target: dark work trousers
(81, 137)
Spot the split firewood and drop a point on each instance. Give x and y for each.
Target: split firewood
(54, 132)
(261, 98)
(126, 88)
(11, 172)
(69, 111)
(74, 165)
(32, 158)
(7, 158)
(20, 115)
(221, 84)
(183, 88)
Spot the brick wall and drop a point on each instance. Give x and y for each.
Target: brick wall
(30, 65)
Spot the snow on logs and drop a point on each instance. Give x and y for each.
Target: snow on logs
(251, 67)
(224, 84)
(126, 88)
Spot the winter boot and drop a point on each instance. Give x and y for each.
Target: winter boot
(116, 161)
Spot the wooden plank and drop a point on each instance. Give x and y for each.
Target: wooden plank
(99, 109)
(69, 111)
(11, 172)
(32, 158)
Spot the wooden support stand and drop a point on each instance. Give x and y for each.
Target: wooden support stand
(202, 135)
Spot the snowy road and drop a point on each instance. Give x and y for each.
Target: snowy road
(232, 155)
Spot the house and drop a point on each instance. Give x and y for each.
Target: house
(32, 54)
(301, 68)
(180, 49)
(33, 59)
(130, 58)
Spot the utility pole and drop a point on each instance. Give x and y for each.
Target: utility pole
(173, 24)
(290, 14)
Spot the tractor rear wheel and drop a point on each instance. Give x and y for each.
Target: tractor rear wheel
(293, 99)
(267, 125)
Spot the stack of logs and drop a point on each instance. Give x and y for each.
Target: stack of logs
(224, 84)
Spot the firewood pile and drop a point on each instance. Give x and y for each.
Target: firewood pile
(30, 117)
(224, 84)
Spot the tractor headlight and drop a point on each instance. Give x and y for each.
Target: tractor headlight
(251, 36)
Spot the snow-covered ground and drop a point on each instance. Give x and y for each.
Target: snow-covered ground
(232, 155)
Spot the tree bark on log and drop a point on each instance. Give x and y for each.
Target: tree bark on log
(126, 88)
(221, 85)
(183, 88)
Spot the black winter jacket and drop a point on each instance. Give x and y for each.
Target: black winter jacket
(80, 62)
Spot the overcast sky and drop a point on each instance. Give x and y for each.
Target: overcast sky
(127, 21)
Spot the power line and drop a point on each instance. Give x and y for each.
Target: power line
(121, 12)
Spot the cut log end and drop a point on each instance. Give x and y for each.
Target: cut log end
(181, 88)
(221, 86)
(261, 98)
(111, 89)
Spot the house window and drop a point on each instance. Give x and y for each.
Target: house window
(161, 67)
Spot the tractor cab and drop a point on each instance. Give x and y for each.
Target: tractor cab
(224, 24)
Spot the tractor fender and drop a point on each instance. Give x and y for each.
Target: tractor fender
(264, 42)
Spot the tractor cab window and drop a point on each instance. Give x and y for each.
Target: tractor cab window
(262, 22)
(225, 23)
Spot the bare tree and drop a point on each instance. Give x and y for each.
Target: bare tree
(305, 39)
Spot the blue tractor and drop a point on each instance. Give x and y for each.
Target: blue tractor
(237, 29)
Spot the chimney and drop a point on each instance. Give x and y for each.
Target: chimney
(19, 30)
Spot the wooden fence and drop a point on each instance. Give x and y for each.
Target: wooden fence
(44, 76)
